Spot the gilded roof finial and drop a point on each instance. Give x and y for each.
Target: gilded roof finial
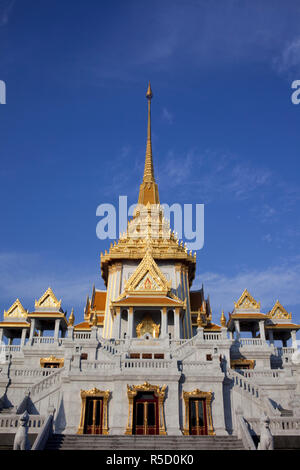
(149, 190)
(94, 319)
(223, 319)
(71, 318)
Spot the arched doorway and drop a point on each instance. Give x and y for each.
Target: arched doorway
(145, 413)
(198, 419)
(93, 418)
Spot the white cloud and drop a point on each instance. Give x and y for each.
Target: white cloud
(6, 7)
(27, 276)
(275, 282)
(167, 116)
(289, 59)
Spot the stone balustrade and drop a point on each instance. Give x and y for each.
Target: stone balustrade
(190, 365)
(279, 425)
(146, 364)
(102, 365)
(212, 336)
(31, 372)
(252, 342)
(78, 335)
(284, 351)
(54, 378)
(244, 385)
(10, 422)
(273, 374)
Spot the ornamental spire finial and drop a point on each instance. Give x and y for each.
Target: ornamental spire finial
(149, 191)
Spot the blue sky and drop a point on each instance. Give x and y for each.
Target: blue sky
(225, 133)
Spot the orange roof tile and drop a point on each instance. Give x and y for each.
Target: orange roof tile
(140, 301)
(99, 301)
(289, 326)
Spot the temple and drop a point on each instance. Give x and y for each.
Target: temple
(147, 359)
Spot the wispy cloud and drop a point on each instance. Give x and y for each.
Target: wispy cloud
(27, 276)
(267, 285)
(6, 8)
(288, 61)
(167, 116)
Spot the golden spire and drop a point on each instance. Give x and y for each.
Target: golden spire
(148, 188)
(71, 318)
(223, 319)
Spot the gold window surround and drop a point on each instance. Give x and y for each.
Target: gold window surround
(159, 392)
(94, 393)
(197, 394)
(51, 362)
(234, 363)
(147, 325)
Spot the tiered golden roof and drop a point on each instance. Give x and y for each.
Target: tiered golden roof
(148, 229)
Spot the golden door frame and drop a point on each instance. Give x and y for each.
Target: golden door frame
(198, 394)
(235, 363)
(94, 393)
(53, 361)
(159, 392)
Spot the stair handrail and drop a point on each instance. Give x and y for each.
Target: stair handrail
(243, 432)
(259, 396)
(36, 388)
(45, 432)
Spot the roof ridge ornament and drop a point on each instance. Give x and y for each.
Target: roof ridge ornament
(148, 189)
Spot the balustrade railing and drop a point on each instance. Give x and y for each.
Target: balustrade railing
(273, 374)
(212, 336)
(10, 423)
(279, 425)
(284, 351)
(82, 335)
(252, 342)
(31, 372)
(53, 378)
(102, 365)
(145, 364)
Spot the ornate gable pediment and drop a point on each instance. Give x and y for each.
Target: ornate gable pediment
(147, 278)
(247, 302)
(16, 311)
(48, 300)
(279, 312)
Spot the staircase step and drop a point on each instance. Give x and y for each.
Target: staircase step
(96, 442)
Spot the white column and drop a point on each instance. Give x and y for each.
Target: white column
(32, 328)
(117, 323)
(71, 332)
(262, 330)
(237, 329)
(1, 334)
(164, 322)
(271, 337)
(56, 330)
(176, 323)
(294, 339)
(130, 322)
(23, 337)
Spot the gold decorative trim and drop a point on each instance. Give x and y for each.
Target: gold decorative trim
(147, 325)
(147, 278)
(96, 393)
(16, 311)
(247, 302)
(48, 299)
(159, 392)
(51, 360)
(242, 362)
(198, 394)
(279, 312)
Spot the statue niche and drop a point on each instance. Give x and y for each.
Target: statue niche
(147, 325)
